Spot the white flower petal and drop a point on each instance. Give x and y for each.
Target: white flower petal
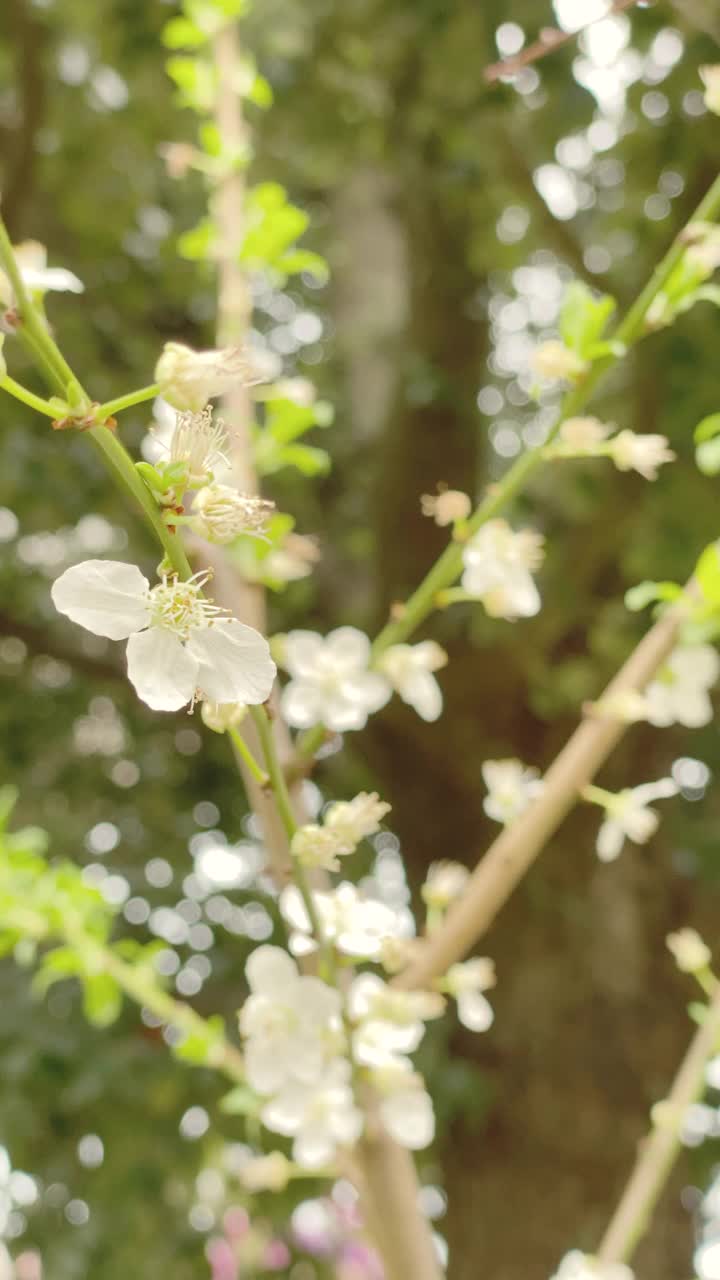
(475, 1011)
(368, 689)
(348, 648)
(234, 662)
(659, 790)
(163, 672)
(106, 597)
(302, 652)
(302, 704)
(270, 970)
(313, 1147)
(422, 692)
(610, 840)
(409, 1119)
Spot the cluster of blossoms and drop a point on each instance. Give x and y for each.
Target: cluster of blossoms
(332, 682)
(301, 1037)
(630, 451)
(345, 824)
(180, 645)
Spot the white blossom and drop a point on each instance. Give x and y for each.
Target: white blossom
(179, 643)
(293, 560)
(389, 1022)
(444, 882)
(354, 820)
(220, 514)
(581, 1266)
(409, 668)
(643, 453)
(583, 435)
(331, 683)
(290, 1023)
(628, 815)
(37, 276)
(189, 379)
(499, 563)
(466, 982)
(679, 694)
(406, 1108)
(690, 952)
(200, 445)
(511, 788)
(446, 507)
(356, 925)
(710, 76)
(320, 1117)
(346, 823)
(556, 362)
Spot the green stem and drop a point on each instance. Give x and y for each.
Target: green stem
(284, 807)
(111, 407)
(248, 759)
(120, 462)
(15, 389)
(31, 318)
(446, 569)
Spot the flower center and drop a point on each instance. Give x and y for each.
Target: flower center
(180, 606)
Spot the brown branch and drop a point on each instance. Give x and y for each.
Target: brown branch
(512, 854)
(550, 39)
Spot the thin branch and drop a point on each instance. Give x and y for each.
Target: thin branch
(516, 848)
(550, 39)
(658, 1151)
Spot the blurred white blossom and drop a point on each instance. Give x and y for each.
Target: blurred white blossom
(409, 668)
(643, 453)
(37, 276)
(356, 925)
(710, 76)
(188, 379)
(331, 682)
(629, 815)
(679, 694)
(511, 786)
(556, 362)
(499, 564)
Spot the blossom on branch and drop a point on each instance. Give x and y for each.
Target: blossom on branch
(409, 668)
(629, 815)
(447, 506)
(444, 882)
(499, 564)
(679, 694)
(197, 445)
(331, 682)
(290, 1023)
(320, 1116)
(346, 823)
(221, 514)
(466, 982)
(511, 787)
(179, 643)
(189, 379)
(643, 453)
(356, 925)
(556, 362)
(37, 276)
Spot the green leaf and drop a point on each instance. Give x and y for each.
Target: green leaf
(241, 1101)
(707, 429)
(181, 33)
(196, 80)
(646, 593)
(197, 243)
(102, 999)
(584, 318)
(201, 1046)
(707, 573)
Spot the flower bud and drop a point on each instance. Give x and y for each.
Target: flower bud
(447, 506)
(690, 952)
(221, 716)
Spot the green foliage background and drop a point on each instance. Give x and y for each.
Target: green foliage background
(384, 130)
